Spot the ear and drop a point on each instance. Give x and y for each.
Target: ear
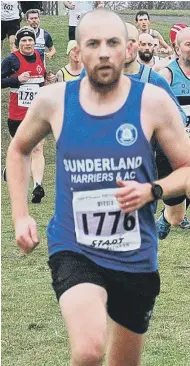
(16, 43)
(177, 49)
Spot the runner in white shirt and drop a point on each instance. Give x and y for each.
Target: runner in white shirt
(10, 22)
(76, 10)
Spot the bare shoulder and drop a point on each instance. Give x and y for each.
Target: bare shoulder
(161, 64)
(157, 34)
(51, 94)
(166, 73)
(157, 104)
(153, 96)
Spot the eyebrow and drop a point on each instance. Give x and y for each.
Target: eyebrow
(97, 39)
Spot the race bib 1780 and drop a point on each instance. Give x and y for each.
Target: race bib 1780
(26, 94)
(99, 223)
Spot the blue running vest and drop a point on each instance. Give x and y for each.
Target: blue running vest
(180, 86)
(92, 152)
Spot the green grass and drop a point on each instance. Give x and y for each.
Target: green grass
(32, 329)
(168, 12)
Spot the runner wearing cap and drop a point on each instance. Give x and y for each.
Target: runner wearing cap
(173, 33)
(74, 67)
(23, 72)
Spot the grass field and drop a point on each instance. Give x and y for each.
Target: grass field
(33, 333)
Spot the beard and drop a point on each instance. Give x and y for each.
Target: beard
(146, 56)
(186, 63)
(104, 78)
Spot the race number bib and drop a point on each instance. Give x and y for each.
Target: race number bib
(186, 109)
(99, 223)
(188, 130)
(26, 94)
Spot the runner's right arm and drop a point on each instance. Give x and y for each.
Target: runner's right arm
(9, 66)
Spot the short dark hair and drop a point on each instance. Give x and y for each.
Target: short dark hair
(141, 13)
(32, 11)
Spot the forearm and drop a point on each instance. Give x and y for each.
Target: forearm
(164, 44)
(174, 185)
(18, 176)
(11, 82)
(67, 4)
(52, 52)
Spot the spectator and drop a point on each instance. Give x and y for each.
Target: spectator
(10, 22)
(43, 38)
(76, 10)
(73, 69)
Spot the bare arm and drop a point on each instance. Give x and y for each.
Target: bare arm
(162, 41)
(169, 130)
(68, 4)
(166, 73)
(51, 53)
(59, 76)
(161, 117)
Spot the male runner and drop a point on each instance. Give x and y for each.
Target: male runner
(177, 74)
(102, 239)
(146, 54)
(43, 38)
(164, 62)
(73, 69)
(143, 22)
(23, 72)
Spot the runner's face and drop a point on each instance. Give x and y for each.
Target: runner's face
(26, 46)
(143, 22)
(103, 50)
(34, 20)
(74, 54)
(146, 50)
(184, 51)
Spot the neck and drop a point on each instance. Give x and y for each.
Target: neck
(132, 68)
(148, 63)
(109, 92)
(185, 67)
(26, 54)
(75, 65)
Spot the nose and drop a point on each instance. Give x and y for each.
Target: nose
(103, 51)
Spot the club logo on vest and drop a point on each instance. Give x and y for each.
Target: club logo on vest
(39, 69)
(126, 134)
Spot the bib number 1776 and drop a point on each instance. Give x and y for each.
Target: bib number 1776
(128, 222)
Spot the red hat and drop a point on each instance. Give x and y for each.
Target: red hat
(175, 29)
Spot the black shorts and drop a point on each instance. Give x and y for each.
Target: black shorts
(131, 296)
(71, 32)
(13, 125)
(164, 168)
(9, 28)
